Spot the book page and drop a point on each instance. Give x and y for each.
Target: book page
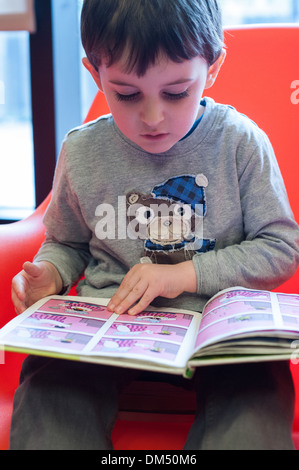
(78, 327)
(240, 312)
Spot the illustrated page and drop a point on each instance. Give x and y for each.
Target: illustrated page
(239, 311)
(75, 327)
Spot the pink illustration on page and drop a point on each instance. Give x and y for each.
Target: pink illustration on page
(154, 317)
(288, 299)
(75, 307)
(234, 325)
(174, 333)
(238, 295)
(141, 348)
(48, 339)
(234, 308)
(64, 322)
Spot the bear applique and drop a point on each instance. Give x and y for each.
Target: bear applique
(170, 219)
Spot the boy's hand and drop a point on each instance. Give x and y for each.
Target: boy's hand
(37, 280)
(145, 282)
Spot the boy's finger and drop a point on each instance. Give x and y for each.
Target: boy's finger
(131, 297)
(32, 269)
(18, 287)
(19, 305)
(144, 302)
(127, 286)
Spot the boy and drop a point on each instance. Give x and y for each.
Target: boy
(223, 219)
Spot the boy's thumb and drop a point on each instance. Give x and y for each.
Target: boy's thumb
(32, 269)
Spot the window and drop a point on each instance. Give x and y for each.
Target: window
(88, 87)
(259, 11)
(17, 196)
(17, 15)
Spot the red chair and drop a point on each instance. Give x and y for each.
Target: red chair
(256, 78)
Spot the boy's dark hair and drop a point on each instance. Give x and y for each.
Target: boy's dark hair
(181, 29)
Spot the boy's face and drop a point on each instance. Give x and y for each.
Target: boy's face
(158, 109)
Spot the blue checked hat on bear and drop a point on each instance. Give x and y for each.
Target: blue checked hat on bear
(185, 189)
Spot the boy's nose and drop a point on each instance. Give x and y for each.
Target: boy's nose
(152, 113)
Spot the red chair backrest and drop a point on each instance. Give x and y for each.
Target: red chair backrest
(256, 78)
(98, 108)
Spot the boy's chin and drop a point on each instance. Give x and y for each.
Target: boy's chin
(156, 146)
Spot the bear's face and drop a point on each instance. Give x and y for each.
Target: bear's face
(158, 220)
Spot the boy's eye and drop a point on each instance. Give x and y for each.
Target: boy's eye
(167, 96)
(131, 97)
(176, 96)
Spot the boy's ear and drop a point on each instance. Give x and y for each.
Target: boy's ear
(93, 72)
(214, 70)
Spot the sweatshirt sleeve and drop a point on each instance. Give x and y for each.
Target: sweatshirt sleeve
(67, 236)
(268, 255)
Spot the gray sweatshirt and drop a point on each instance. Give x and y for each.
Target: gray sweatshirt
(217, 197)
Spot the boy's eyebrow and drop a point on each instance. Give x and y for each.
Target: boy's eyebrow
(180, 81)
(176, 82)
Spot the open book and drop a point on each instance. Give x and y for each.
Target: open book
(237, 325)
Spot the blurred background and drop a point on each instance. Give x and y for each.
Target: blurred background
(38, 105)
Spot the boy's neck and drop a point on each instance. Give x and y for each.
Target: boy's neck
(201, 110)
(198, 118)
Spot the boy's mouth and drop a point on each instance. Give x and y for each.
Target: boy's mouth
(155, 136)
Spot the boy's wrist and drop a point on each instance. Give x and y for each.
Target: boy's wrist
(57, 280)
(188, 276)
